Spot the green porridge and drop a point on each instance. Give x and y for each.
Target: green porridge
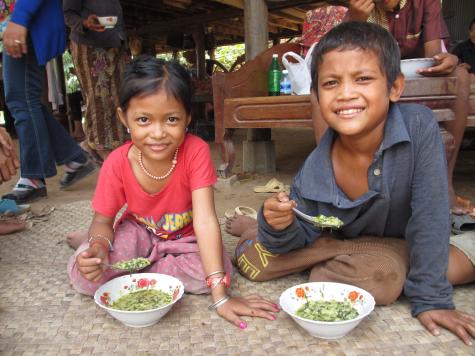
(328, 221)
(134, 264)
(332, 310)
(142, 300)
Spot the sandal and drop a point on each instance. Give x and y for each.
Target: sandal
(462, 223)
(241, 210)
(272, 186)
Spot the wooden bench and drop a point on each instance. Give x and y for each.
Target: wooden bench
(240, 101)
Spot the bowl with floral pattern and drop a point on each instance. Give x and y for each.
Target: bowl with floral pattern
(146, 288)
(327, 310)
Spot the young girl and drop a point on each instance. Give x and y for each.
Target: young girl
(165, 177)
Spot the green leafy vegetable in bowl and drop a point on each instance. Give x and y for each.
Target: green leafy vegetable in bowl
(132, 265)
(145, 299)
(327, 310)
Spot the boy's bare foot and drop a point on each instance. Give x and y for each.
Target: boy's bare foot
(459, 205)
(76, 238)
(9, 226)
(237, 224)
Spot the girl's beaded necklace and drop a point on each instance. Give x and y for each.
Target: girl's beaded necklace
(174, 162)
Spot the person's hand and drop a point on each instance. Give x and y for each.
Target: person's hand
(14, 40)
(359, 10)
(465, 65)
(459, 323)
(9, 162)
(252, 305)
(89, 262)
(445, 63)
(8, 165)
(92, 24)
(278, 211)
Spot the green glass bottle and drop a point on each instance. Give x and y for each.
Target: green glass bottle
(273, 76)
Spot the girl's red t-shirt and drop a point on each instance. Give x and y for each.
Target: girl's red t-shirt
(168, 213)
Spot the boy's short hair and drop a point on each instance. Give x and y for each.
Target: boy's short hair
(360, 35)
(471, 23)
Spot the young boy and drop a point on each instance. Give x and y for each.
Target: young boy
(380, 168)
(419, 30)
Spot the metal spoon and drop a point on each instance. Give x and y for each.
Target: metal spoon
(320, 221)
(133, 265)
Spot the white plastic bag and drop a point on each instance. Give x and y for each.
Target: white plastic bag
(299, 73)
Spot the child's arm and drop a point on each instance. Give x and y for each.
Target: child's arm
(210, 244)
(278, 229)
(101, 237)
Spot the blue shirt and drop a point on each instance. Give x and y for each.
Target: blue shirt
(45, 23)
(407, 197)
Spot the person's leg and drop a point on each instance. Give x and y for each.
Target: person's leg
(75, 114)
(378, 265)
(181, 259)
(256, 263)
(76, 238)
(99, 71)
(43, 140)
(457, 128)
(461, 269)
(11, 225)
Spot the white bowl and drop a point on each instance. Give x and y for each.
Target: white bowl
(293, 298)
(107, 21)
(409, 67)
(120, 286)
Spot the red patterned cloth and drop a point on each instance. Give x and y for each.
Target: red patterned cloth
(318, 22)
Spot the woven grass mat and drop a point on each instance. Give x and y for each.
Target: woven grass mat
(40, 314)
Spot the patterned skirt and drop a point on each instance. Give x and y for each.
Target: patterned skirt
(99, 71)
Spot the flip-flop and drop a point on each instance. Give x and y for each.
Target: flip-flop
(241, 210)
(462, 223)
(272, 186)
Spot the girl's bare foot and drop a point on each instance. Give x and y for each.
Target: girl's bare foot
(76, 238)
(9, 226)
(237, 224)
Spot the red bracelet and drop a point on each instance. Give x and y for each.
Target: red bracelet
(212, 282)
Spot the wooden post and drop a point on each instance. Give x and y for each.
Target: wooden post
(258, 150)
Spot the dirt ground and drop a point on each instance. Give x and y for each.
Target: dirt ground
(292, 147)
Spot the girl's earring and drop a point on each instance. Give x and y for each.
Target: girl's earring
(128, 130)
(186, 129)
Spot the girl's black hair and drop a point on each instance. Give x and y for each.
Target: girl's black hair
(471, 23)
(146, 75)
(360, 35)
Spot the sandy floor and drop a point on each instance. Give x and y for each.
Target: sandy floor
(292, 147)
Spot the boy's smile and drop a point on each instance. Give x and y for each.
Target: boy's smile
(353, 92)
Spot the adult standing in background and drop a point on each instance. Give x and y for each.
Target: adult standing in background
(99, 56)
(34, 35)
